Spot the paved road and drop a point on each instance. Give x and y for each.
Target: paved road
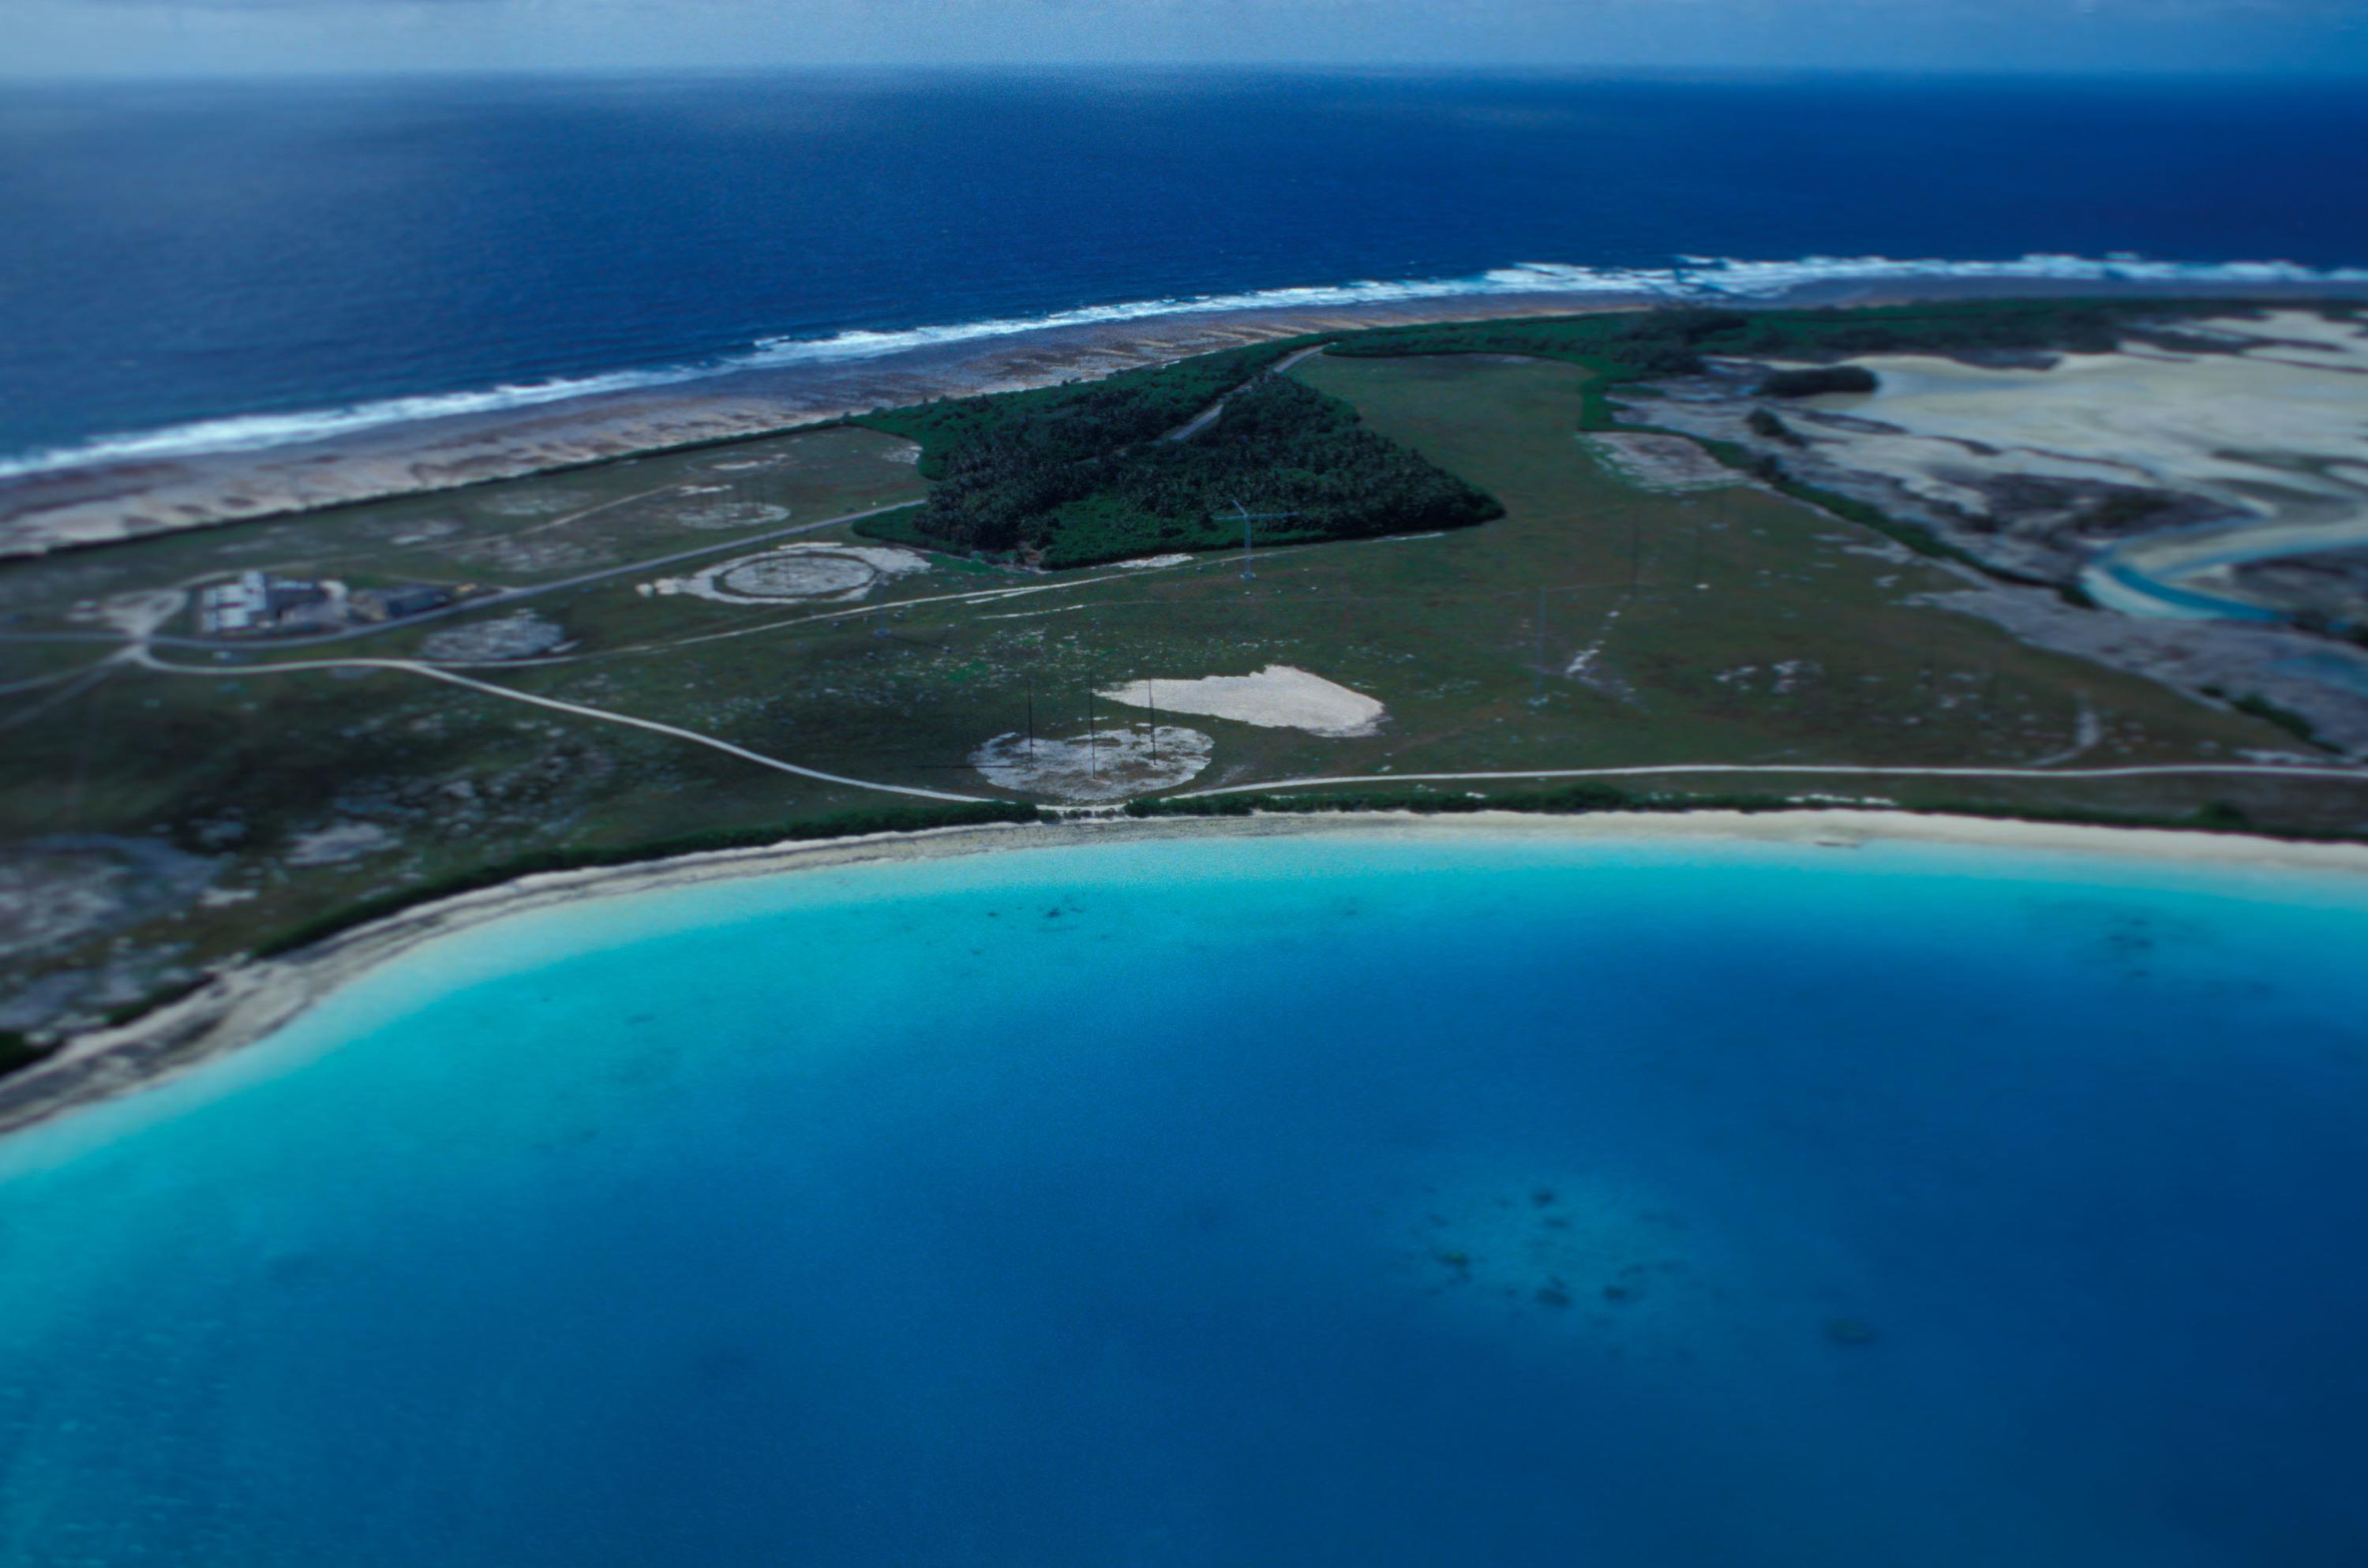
(515, 595)
(453, 678)
(1201, 421)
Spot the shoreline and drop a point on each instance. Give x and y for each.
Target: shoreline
(254, 999)
(113, 501)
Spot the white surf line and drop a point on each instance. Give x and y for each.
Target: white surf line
(2143, 770)
(488, 688)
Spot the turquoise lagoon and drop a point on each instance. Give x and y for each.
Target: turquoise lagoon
(1336, 1200)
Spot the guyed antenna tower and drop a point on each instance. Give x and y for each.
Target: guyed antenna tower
(1248, 517)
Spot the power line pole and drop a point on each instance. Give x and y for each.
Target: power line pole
(1090, 732)
(1151, 701)
(1031, 718)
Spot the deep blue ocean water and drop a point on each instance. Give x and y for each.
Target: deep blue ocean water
(224, 264)
(1324, 1202)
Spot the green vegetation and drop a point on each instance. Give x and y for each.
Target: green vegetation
(1079, 419)
(1818, 382)
(1652, 344)
(1764, 423)
(899, 527)
(2285, 719)
(17, 1051)
(1622, 351)
(1084, 475)
(2122, 510)
(1568, 799)
(1583, 799)
(848, 825)
(1595, 624)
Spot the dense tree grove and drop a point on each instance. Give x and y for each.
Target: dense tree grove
(1076, 474)
(1086, 478)
(1818, 380)
(1080, 419)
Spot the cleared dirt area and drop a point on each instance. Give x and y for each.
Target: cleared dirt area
(1276, 698)
(1100, 765)
(796, 574)
(1659, 462)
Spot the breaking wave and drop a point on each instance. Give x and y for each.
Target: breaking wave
(1691, 277)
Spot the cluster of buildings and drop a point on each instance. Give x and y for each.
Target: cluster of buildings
(262, 604)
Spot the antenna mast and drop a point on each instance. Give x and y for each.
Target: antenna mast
(1247, 516)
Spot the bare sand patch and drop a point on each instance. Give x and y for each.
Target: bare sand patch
(517, 552)
(1104, 764)
(728, 515)
(795, 573)
(57, 891)
(521, 634)
(2296, 331)
(427, 532)
(533, 504)
(340, 841)
(1277, 697)
(1659, 462)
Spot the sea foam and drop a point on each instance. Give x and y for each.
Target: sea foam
(1690, 279)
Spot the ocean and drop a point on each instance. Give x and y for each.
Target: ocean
(1337, 1199)
(195, 267)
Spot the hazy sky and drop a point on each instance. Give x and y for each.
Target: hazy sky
(45, 38)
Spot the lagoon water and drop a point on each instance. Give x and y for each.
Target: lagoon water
(1338, 1199)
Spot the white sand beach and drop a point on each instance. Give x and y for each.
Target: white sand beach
(251, 1000)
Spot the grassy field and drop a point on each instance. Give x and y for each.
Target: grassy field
(1162, 460)
(1595, 624)
(510, 534)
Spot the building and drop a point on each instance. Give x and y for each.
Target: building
(393, 604)
(254, 603)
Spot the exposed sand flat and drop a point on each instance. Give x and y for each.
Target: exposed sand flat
(245, 1004)
(2267, 444)
(2239, 427)
(2306, 331)
(1277, 697)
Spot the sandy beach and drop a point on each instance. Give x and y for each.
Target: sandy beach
(110, 501)
(129, 498)
(251, 1000)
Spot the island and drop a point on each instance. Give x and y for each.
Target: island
(1978, 557)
